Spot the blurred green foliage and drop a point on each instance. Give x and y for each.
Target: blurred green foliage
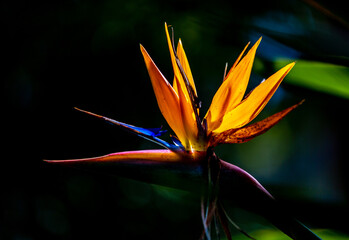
(329, 78)
(276, 235)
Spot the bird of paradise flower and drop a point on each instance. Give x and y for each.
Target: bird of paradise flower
(190, 159)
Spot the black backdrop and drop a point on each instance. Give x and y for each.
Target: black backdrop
(85, 54)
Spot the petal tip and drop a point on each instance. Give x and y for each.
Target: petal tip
(167, 26)
(258, 42)
(289, 66)
(141, 47)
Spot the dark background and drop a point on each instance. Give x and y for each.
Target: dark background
(85, 54)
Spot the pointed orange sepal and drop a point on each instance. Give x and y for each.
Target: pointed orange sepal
(246, 134)
(233, 88)
(239, 58)
(185, 65)
(254, 103)
(180, 62)
(166, 97)
(188, 118)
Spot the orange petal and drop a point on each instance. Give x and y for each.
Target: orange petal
(182, 78)
(238, 59)
(246, 134)
(178, 76)
(179, 81)
(185, 64)
(166, 97)
(251, 106)
(232, 89)
(188, 118)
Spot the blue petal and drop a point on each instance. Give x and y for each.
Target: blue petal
(154, 132)
(150, 134)
(176, 142)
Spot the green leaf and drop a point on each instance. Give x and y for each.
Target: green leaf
(271, 234)
(324, 77)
